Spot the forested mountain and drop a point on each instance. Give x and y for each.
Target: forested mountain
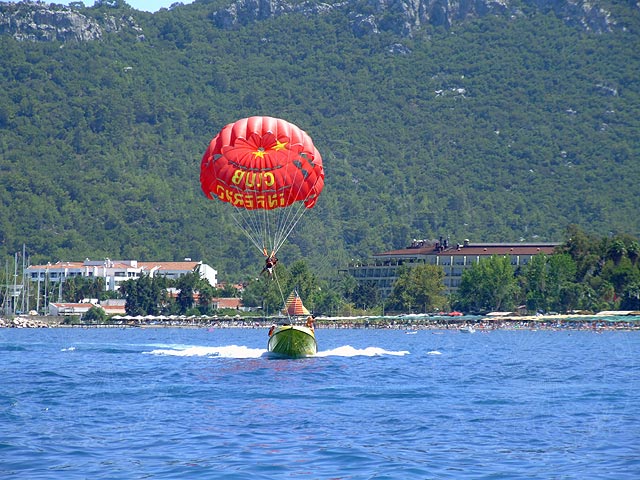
(494, 121)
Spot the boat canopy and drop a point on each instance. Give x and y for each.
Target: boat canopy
(294, 307)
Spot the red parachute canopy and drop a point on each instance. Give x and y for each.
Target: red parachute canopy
(262, 163)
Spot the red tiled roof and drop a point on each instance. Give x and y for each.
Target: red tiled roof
(57, 265)
(501, 250)
(169, 265)
(409, 251)
(123, 265)
(119, 265)
(73, 305)
(231, 302)
(477, 249)
(113, 309)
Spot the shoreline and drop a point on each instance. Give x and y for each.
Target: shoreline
(601, 322)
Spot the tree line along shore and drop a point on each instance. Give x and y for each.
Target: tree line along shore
(607, 321)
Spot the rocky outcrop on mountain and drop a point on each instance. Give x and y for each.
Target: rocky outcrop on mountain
(404, 17)
(37, 21)
(243, 12)
(590, 16)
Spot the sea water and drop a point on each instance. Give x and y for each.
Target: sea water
(373, 404)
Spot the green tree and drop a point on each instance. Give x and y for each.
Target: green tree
(620, 273)
(577, 296)
(617, 250)
(270, 293)
(328, 301)
(584, 250)
(631, 296)
(186, 285)
(633, 251)
(74, 289)
(543, 280)
(366, 295)
(418, 289)
(561, 272)
(535, 284)
(206, 294)
(228, 291)
(488, 285)
(144, 296)
(95, 314)
(267, 293)
(302, 279)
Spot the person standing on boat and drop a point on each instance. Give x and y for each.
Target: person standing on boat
(310, 320)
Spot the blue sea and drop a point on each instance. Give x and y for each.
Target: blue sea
(173, 403)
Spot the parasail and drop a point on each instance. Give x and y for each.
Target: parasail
(269, 173)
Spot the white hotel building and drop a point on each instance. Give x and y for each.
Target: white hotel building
(115, 272)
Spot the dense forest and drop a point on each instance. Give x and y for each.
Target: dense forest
(499, 128)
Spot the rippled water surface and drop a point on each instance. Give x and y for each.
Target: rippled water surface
(373, 404)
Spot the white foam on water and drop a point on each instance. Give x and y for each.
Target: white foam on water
(434, 352)
(239, 351)
(226, 351)
(70, 349)
(349, 351)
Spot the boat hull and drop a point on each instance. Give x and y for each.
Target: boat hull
(293, 341)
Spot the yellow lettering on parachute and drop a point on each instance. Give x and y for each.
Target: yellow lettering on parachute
(273, 200)
(269, 179)
(253, 179)
(237, 177)
(250, 200)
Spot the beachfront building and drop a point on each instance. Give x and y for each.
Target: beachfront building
(69, 309)
(382, 269)
(114, 272)
(110, 307)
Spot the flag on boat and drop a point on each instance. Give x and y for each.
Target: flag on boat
(294, 307)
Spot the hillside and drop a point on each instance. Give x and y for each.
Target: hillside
(494, 124)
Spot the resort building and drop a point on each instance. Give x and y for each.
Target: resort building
(115, 272)
(68, 309)
(382, 269)
(110, 307)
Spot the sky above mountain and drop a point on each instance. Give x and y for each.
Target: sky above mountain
(144, 5)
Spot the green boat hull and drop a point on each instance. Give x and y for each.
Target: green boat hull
(293, 341)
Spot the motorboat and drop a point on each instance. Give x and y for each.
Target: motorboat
(293, 341)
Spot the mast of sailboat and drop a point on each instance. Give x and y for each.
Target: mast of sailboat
(46, 289)
(38, 295)
(24, 289)
(15, 281)
(5, 299)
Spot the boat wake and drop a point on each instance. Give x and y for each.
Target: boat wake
(227, 351)
(239, 351)
(349, 351)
